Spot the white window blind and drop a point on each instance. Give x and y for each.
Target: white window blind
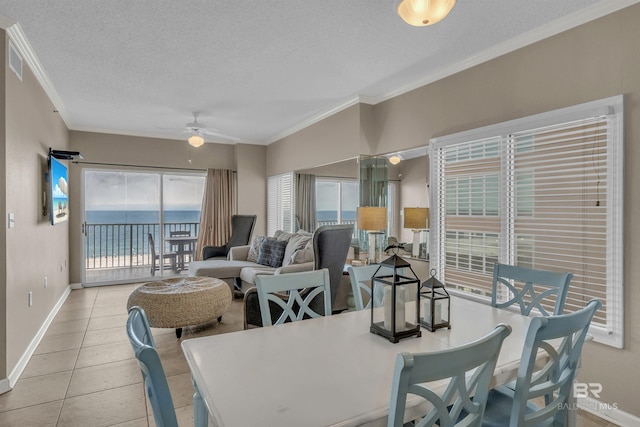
(542, 192)
(280, 204)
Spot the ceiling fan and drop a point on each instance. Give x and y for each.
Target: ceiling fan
(197, 131)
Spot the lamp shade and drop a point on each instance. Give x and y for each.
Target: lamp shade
(372, 218)
(416, 218)
(423, 12)
(196, 140)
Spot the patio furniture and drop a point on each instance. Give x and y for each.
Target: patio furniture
(182, 301)
(241, 229)
(156, 263)
(184, 246)
(154, 378)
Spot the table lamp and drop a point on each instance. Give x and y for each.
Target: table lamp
(373, 219)
(418, 220)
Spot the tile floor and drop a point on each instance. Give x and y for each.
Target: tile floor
(83, 373)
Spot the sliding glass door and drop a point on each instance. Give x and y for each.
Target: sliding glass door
(139, 225)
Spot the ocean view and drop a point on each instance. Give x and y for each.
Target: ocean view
(117, 233)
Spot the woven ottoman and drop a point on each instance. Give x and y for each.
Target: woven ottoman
(182, 301)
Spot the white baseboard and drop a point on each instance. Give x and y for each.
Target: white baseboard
(4, 385)
(608, 411)
(26, 356)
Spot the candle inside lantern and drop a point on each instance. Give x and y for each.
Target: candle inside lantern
(399, 309)
(437, 318)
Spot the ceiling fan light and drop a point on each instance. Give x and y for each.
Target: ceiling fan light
(196, 140)
(423, 12)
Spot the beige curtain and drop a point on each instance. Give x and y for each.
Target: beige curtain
(306, 201)
(218, 205)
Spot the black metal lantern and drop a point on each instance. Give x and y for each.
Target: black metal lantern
(437, 304)
(393, 285)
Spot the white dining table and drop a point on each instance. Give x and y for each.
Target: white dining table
(329, 371)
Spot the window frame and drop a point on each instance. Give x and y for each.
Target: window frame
(612, 333)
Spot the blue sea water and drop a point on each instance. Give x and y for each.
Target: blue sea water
(333, 215)
(126, 233)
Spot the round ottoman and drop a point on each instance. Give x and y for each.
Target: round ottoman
(182, 301)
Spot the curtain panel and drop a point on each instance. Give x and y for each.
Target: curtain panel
(218, 205)
(306, 202)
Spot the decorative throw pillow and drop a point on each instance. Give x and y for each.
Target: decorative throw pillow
(296, 242)
(255, 248)
(272, 252)
(303, 255)
(282, 235)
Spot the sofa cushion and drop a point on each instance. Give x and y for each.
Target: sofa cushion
(219, 268)
(296, 242)
(272, 252)
(254, 250)
(248, 274)
(282, 235)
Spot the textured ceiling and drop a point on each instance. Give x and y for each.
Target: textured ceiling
(257, 70)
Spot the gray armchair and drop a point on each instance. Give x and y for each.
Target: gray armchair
(330, 247)
(241, 229)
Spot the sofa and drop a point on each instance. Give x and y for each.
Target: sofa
(283, 253)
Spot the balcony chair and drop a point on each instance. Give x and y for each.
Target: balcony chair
(469, 370)
(156, 263)
(153, 376)
(553, 381)
(292, 293)
(330, 247)
(241, 229)
(530, 288)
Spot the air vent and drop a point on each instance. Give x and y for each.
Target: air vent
(15, 60)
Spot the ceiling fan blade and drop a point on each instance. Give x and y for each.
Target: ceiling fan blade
(219, 134)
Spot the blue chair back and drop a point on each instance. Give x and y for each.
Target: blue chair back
(360, 278)
(463, 400)
(561, 339)
(153, 376)
(530, 289)
(293, 293)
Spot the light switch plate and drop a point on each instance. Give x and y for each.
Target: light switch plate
(12, 220)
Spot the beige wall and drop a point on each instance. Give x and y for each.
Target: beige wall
(34, 248)
(252, 184)
(334, 139)
(3, 211)
(593, 61)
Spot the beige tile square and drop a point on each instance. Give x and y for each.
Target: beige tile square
(35, 390)
(104, 377)
(76, 313)
(105, 408)
(44, 415)
(54, 343)
(141, 422)
(105, 353)
(107, 322)
(105, 336)
(67, 327)
(49, 363)
(110, 310)
(184, 416)
(181, 389)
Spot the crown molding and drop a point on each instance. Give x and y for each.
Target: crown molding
(595, 11)
(21, 43)
(315, 119)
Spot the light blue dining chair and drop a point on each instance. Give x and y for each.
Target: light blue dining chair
(153, 376)
(295, 294)
(360, 278)
(553, 381)
(530, 289)
(469, 369)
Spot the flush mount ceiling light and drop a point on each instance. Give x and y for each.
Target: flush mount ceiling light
(395, 159)
(196, 140)
(423, 12)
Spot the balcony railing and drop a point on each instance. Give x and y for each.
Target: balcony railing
(127, 245)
